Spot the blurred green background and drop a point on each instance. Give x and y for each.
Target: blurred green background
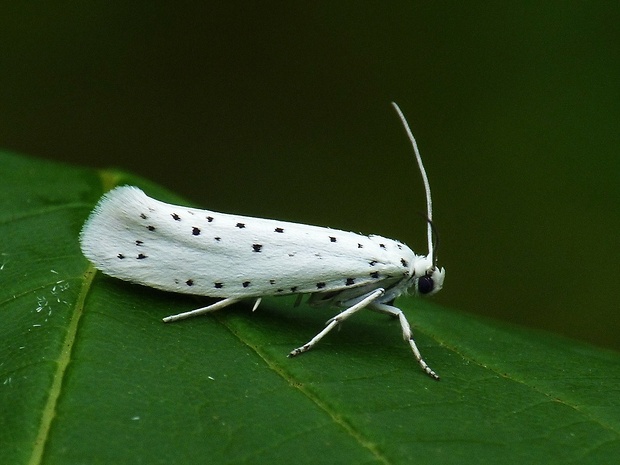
(281, 110)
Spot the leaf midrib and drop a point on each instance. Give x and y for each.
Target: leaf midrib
(49, 411)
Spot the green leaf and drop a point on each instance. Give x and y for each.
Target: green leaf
(90, 374)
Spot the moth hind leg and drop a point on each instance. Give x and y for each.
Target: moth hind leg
(201, 311)
(335, 321)
(407, 335)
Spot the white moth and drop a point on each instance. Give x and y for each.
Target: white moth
(174, 248)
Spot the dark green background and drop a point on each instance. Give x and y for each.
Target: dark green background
(282, 110)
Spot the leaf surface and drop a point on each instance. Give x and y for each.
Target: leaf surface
(90, 374)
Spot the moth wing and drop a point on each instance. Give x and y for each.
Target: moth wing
(133, 237)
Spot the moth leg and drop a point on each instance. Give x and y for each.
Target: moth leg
(200, 311)
(337, 320)
(298, 300)
(407, 334)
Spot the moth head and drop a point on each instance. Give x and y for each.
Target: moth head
(431, 282)
(428, 278)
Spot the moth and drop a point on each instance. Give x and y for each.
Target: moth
(136, 238)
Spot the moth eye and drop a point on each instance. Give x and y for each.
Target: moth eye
(425, 284)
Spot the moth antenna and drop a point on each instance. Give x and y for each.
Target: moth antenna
(427, 187)
(435, 242)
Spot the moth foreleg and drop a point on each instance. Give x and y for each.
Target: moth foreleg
(200, 311)
(335, 321)
(407, 334)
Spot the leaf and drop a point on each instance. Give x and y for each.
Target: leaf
(90, 374)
